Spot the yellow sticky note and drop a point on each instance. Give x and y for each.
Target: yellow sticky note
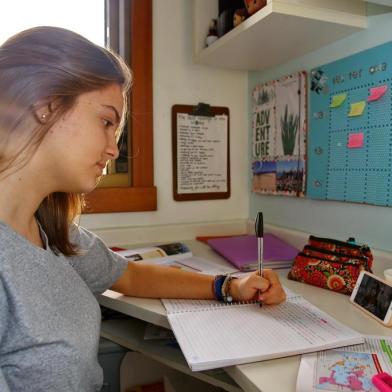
(337, 100)
(357, 108)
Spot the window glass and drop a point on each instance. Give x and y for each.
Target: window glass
(86, 17)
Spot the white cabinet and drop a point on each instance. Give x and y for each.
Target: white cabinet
(279, 32)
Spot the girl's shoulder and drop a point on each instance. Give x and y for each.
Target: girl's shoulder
(15, 250)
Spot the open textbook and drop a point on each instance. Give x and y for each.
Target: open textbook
(347, 368)
(212, 334)
(175, 253)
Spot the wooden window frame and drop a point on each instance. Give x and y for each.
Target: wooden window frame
(141, 195)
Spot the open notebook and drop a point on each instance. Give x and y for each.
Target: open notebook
(212, 334)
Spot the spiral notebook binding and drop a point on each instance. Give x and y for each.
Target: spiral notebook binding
(225, 304)
(214, 305)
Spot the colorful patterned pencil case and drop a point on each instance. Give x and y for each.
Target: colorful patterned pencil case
(331, 264)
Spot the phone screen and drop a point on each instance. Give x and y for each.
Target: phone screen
(374, 296)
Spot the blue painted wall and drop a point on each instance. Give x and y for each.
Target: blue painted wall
(370, 224)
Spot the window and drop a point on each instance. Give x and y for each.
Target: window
(118, 38)
(141, 194)
(131, 187)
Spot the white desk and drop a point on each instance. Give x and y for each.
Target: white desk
(267, 376)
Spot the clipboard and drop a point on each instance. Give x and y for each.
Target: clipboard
(201, 152)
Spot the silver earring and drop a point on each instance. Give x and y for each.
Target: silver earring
(43, 116)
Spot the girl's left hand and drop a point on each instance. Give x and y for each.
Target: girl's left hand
(266, 288)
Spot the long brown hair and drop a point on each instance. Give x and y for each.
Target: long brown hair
(40, 66)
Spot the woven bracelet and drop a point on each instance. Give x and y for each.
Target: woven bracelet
(217, 287)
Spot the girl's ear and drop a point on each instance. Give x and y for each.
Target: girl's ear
(42, 112)
(41, 116)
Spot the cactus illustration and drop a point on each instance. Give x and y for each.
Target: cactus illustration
(289, 127)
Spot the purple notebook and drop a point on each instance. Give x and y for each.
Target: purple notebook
(241, 251)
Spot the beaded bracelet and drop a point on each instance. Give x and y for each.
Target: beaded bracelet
(226, 292)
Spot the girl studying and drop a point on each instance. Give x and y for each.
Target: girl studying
(62, 106)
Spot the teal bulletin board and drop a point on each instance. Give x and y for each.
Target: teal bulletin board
(350, 132)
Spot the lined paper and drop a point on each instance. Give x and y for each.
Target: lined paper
(212, 336)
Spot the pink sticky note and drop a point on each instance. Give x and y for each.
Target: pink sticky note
(355, 140)
(377, 92)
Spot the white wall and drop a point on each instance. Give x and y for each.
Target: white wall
(178, 81)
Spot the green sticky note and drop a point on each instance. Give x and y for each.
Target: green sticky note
(357, 108)
(337, 100)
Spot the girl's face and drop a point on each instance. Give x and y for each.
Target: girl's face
(77, 148)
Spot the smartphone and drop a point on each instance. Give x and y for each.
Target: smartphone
(374, 296)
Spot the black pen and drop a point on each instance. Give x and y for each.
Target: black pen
(259, 229)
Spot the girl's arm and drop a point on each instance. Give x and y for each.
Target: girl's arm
(157, 281)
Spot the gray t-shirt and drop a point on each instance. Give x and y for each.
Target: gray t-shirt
(49, 317)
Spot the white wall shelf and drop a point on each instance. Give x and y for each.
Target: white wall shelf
(279, 32)
(382, 2)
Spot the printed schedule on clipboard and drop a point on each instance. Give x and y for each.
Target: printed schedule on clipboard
(200, 154)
